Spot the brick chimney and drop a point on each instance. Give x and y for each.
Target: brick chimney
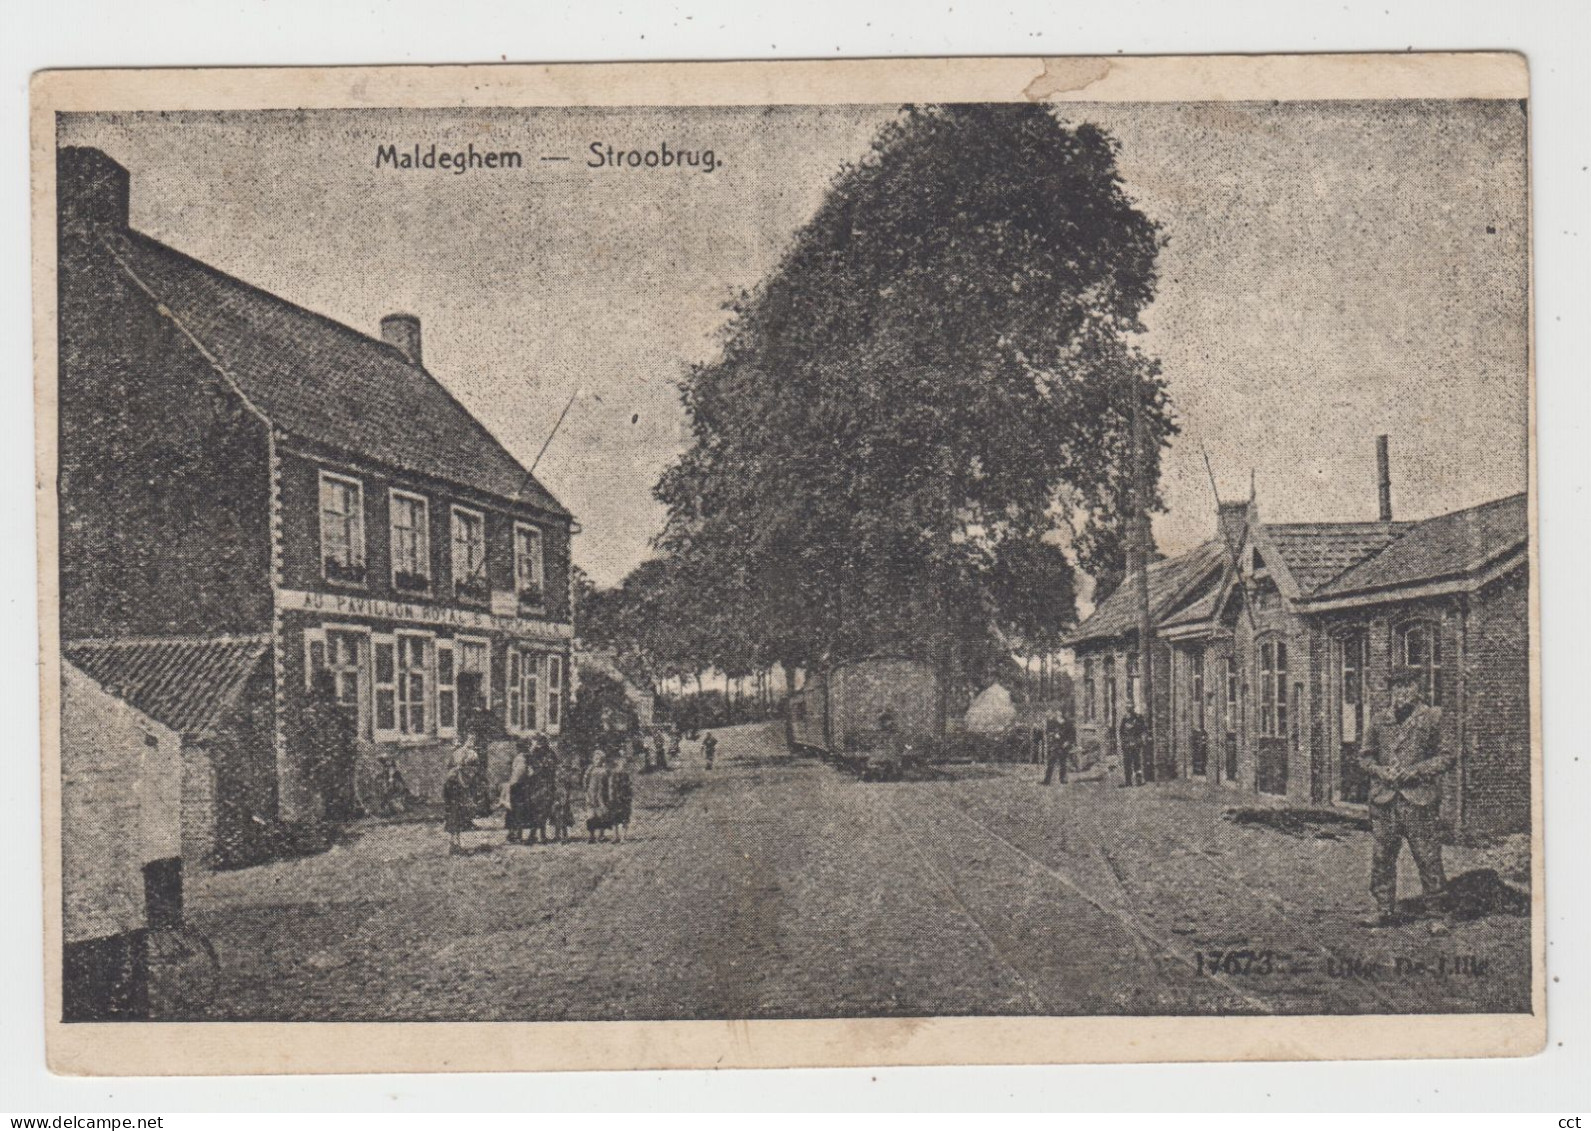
(402, 333)
(91, 190)
(1384, 479)
(1231, 522)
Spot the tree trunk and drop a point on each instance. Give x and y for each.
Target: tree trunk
(789, 701)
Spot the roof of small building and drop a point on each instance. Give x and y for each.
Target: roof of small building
(1200, 609)
(318, 379)
(184, 683)
(1447, 546)
(1169, 580)
(1317, 552)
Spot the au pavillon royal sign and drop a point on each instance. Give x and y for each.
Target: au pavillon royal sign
(353, 605)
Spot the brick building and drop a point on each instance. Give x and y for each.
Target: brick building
(1273, 642)
(235, 466)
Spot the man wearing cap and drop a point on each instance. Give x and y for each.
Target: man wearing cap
(1402, 752)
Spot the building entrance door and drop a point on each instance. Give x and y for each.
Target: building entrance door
(1348, 693)
(1233, 714)
(1199, 737)
(1270, 764)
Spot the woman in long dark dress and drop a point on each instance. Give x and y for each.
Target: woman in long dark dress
(620, 795)
(458, 795)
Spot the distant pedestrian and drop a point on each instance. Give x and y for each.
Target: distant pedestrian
(620, 798)
(1402, 752)
(673, 746)
(709, 748)
(458, 794)
(596, 795)
(1060, 737)
(659, 751)
(518, 796)
(1133, 735)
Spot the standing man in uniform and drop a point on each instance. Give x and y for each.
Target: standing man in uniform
(1060, 736)
(1402, 752)
(1133, 734)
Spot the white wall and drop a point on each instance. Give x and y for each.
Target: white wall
(121, 806)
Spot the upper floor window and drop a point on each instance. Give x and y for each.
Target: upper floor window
(342, 529)
(529, 574)
(1420, 648)
(469, 555)
(411, 553)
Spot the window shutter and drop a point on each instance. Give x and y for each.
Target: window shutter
(516, 720)
(384, 668)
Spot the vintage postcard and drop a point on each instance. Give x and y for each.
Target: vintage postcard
(783, 564)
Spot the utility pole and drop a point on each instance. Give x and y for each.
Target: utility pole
(1138, 564)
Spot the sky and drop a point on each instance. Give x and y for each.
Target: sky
(1332, 271)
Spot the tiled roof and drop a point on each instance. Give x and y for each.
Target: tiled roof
(320, 380)
(1169, 580)
(186, 684)
(1448, 546)
(1200, 609)
(1317, 552)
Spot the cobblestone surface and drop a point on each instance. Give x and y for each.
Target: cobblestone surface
(774, 886)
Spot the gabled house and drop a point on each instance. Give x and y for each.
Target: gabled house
(1273, 643)
(233, 465)
(1451, 598)
(1108, 677)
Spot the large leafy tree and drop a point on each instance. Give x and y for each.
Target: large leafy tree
(928, 393)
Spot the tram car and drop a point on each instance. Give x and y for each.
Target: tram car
(873, 716)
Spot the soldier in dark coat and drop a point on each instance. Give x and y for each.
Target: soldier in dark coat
(1060, 736)
(1134, 736)
(543, 788)
(1402, 752)
(566, 780)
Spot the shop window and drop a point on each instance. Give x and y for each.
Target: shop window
(412, 701)
(1133, 688)
(523, 689)
(338, 651)
(342, 529)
